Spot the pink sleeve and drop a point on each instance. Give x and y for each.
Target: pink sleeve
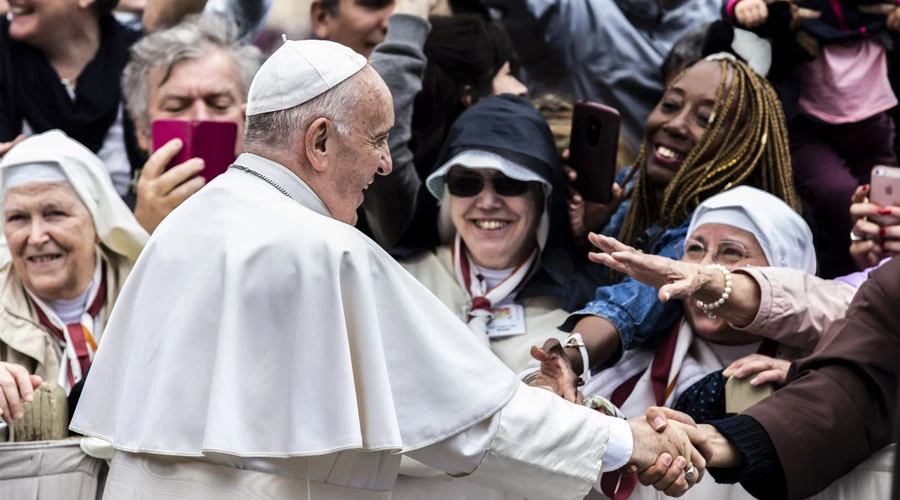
(729, 8)
(796, 307)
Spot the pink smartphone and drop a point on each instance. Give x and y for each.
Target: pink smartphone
(593, 147)
(210, 140)
(885, 191)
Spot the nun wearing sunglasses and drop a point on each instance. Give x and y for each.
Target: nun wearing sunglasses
(504, 265)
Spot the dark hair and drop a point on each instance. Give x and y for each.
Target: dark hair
(102, 7)
(464, 54)
(686, 51)
(330, 6)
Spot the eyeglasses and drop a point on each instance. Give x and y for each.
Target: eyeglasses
(469, 185)
(728, 253)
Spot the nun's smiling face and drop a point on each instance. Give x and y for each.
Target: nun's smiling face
(51, 238)
(733, 248)
(499, 230)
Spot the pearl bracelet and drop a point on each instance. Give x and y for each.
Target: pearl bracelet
(708, 308)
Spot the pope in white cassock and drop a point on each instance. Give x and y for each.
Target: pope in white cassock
(264, 348)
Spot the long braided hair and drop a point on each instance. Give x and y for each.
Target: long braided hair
(754, 152)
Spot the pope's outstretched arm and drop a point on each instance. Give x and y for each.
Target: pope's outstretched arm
(541, 446)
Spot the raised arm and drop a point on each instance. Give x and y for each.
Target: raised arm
(399, 60)
(789, 306)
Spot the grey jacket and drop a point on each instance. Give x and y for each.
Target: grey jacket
(609, 51)
(390, 201)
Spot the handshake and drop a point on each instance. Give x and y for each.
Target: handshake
(670, 452)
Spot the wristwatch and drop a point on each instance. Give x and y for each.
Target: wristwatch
(575, 340)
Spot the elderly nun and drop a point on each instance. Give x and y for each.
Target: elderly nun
(71, 244)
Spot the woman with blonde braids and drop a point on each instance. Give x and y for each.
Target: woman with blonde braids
(719, 125)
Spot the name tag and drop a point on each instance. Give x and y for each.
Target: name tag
(508, 321)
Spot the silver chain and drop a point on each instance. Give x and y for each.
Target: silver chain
(263, 177)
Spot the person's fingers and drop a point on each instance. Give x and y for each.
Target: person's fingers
(185, 190)
(867, 228)
(656, 472)
(860, 195)
(23, 381)
(607, 260)
(771, 376)
(737, 364)
(618, 194)
(177, 175)
(160, 158)
(678, 487)
(805, 13)
(565, 158)
(36, 381)
(752, 367)
(5, 414)
(674, 474)
(864, 209)
(539, 354)
(890, 247)
(10, 388)
(890, 232)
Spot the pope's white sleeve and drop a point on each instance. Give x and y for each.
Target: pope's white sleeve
(538, 446)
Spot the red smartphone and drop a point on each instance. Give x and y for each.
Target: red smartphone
(210, 140)
(593, 146)
(885, 191)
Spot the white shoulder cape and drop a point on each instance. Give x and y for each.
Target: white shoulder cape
(255, 325)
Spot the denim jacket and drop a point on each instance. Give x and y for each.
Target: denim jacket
(631, 306)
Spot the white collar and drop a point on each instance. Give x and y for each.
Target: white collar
(289, 181)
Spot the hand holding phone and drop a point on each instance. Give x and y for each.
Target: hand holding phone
(593, 149)
(885, 191)
(160, 189)
(211, 141)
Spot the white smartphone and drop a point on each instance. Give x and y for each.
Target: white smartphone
(885, 191)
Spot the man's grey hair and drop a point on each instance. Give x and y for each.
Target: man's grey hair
(193, 38)
(277, 129)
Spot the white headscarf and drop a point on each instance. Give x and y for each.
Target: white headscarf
(53, 157)
(475, 159)
(783, 235)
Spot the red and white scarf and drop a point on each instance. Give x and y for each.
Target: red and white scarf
(78, 340)
(479, 312)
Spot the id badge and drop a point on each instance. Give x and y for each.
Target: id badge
(508, 321)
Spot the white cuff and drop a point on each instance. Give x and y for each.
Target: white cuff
(619, 447)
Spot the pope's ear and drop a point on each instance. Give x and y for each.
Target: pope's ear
(320, 143)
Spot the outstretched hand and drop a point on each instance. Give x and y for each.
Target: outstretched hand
(716, 448)
(556, 374)
(662, 457)
(675, 279)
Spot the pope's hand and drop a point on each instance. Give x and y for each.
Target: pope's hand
(716, 448)
(16, 386)
(664, 459)
(159, 191)
(556, 374)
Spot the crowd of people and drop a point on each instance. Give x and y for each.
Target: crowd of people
(396, 290)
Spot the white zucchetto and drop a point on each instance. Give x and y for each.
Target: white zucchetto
(299, 71)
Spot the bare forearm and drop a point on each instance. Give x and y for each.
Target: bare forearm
(161, 13)
(600, 338)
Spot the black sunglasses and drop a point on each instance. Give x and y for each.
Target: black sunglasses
(469, 185)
